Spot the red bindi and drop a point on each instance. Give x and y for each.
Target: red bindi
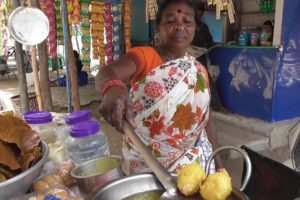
(179, 10)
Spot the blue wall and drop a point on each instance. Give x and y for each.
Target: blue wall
(247, 79)
(286, 99)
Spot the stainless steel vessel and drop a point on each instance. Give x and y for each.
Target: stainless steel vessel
(92, 174)
(130, 185)
(19, 184)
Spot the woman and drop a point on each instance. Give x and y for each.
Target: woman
(169, 96)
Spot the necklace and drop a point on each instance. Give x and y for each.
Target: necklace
(163, 53)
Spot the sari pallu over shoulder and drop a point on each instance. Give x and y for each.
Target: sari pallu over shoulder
(171, 106)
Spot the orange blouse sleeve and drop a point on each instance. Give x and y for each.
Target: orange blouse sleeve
(145, 58)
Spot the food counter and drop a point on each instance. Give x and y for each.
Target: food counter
(49, 172)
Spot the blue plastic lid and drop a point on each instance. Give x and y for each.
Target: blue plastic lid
(37, 117)
(51, 197)
(85, 128)
(79, 116)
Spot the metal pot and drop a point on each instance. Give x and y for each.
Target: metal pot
(92, 174)
(19, 184)
(142, 183)
(131, 185)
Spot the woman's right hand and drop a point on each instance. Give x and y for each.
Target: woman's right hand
(116, 106)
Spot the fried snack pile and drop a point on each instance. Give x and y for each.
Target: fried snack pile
(192, 178)
(189, 178)
(18, 146)
(216, 186)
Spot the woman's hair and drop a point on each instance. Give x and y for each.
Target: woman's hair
(200, 6)
(163, 4)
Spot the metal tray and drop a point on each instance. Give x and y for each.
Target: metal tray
(29, 26)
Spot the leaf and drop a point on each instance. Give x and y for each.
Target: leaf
(170, 130)
(198, 112)
(171, 142)
(157, 127)
(146, 123)
(191, 86)
(157, 153)
(128, 146)
(156, 113)
(179, 136)
(201, 83)
(184, 118)
(143, 80)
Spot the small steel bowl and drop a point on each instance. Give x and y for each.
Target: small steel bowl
(21, 183)
(91, 175)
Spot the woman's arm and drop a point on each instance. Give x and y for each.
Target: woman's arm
(116, 104)
(212, 137)
(122, 69)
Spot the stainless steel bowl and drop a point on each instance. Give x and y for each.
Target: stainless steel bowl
(91, 175)
(20, 184)
(123, 188)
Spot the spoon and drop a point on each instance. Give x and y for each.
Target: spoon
(163, 176)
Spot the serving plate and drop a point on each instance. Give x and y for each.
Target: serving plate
(29, 26)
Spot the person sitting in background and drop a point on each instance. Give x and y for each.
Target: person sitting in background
(81, 75)
(204, 39)
(3, 66)
(79, 64)
(169, 98)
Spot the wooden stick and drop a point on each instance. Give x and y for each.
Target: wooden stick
(44, 70)
(35, 73)
(71, 74)
(36, 81)
(24, 103)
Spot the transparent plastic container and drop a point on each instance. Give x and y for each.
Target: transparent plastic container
(42, 123)
(86, 142)
(71, 120)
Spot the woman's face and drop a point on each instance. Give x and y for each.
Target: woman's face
(177, 27)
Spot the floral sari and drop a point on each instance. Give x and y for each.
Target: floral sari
(172, 107)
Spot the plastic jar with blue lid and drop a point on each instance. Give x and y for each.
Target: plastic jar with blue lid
(43, 124)
(86, 142)
(72, 119)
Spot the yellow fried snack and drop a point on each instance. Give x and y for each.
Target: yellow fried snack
(216, 186)
(189, 178)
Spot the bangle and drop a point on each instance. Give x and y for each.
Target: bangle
(111, 83)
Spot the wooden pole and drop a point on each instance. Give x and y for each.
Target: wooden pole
(66, 53)
(76, 39)
(35, 73)
(44, 77)
(71, 73)
(74, 79)
(44, 71)
(24, 103)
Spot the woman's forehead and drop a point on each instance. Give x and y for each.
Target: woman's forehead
(180, 8)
